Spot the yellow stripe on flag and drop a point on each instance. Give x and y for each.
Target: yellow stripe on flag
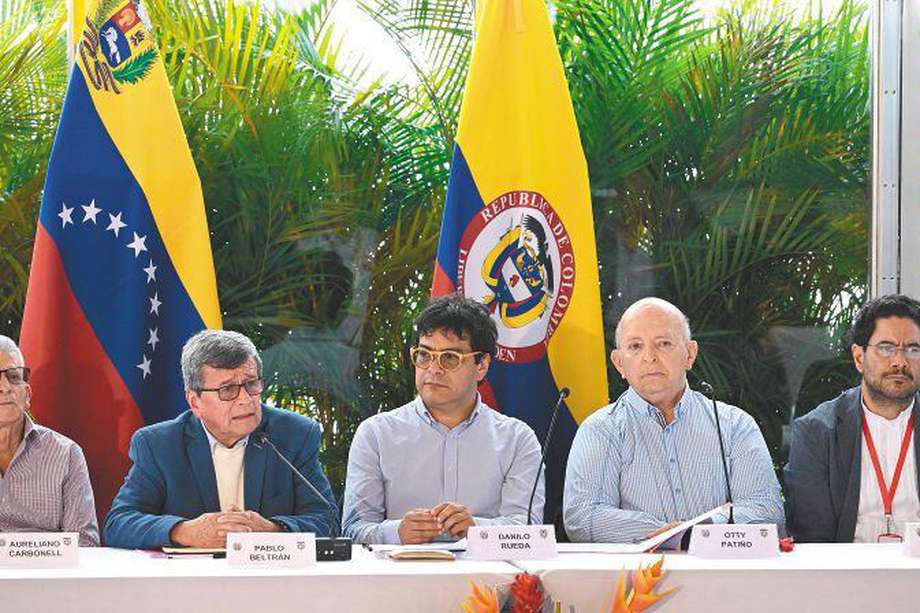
(143, 122)
(518, 131)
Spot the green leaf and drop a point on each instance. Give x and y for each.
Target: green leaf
(137, 68)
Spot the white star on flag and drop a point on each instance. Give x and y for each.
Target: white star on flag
(65, 215)
(145, 366)
(90, 212)
(155, 304)
(154, 339)
(151, 272)
(115, 224)
(138, 244)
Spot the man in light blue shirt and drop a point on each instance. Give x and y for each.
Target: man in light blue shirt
(446, 461)
(652, 459)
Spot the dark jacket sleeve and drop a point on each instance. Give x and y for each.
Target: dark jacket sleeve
(134, 521)
(310, 513)
(809, 507)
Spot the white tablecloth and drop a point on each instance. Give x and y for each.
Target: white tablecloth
(111, 580)
(812, 579)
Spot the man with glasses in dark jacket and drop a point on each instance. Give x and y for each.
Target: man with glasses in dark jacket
(204, 474)
(852, 472)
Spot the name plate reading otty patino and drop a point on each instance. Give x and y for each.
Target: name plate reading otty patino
(39, 549)
(912, 540)
(734, 541)
(271, 549)
(511, 542)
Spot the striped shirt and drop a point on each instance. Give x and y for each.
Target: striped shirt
(630, 472)
(46, 487)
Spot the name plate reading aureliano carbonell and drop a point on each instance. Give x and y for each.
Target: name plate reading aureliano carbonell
(734, 541)
(271, 549)
(511, 542)
(39, 549)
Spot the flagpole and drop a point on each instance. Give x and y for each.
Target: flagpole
(76, 17)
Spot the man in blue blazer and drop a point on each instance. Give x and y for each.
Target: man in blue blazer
(833, 490)
(205, 474)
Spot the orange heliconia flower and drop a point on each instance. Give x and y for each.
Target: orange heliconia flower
(482, 600)
(642, 595)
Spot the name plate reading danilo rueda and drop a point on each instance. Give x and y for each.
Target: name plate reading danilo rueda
(511, 542)
(734, 541)
(39, 549)
(271, 549)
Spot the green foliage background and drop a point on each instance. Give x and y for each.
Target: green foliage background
(729, 163)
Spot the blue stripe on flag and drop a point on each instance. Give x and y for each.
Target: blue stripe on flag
(107, 278)
(462, 203)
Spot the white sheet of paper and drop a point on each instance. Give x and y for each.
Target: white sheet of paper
(646, 546)
(448, 546)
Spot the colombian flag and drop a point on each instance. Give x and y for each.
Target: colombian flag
(518, 233)
(121, 272)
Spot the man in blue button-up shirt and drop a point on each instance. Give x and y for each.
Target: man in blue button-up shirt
(445, 461)
(652, 458)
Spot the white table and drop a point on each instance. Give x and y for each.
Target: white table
(118, 581)
(811, 579)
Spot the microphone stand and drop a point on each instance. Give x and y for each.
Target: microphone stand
(707, 390)
(563, 394)
(334, 548)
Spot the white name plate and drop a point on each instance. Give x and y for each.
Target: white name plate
(39, 549)
(271, 549)
(511, 542)
(912, 539)
(734, 541)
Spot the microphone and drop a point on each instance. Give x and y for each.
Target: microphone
(707, 390)
(563, 394)
(334, 548)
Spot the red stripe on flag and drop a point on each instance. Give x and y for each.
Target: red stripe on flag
(441, 284)
(488, 394)
(75, 387)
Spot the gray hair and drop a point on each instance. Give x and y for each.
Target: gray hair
(218, 349)
(659, 303)
(9, 347)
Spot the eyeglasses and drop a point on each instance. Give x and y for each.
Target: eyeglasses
(889, 350)
(447, 360)
(253, 387)
(16, 375)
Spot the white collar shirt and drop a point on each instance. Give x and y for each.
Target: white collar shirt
(228, 471)
(887, 436)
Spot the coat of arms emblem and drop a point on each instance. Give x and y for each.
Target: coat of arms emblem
(116, 49)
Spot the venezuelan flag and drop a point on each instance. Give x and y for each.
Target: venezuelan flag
(121, 272)
(518, 233)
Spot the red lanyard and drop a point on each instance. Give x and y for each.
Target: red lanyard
(888, 494)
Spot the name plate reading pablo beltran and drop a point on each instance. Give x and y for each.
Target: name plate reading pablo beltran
(271, 549)
(734, 541)
(511, 542)
(39, 549)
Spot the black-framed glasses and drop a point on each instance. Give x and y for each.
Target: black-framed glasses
(231, 391)
(447, 360)
(16, 375)
(889, 350)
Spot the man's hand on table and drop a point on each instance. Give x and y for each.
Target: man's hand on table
(211, 529)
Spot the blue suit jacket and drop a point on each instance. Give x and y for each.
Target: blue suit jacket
(824, 471)
(173, 479)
